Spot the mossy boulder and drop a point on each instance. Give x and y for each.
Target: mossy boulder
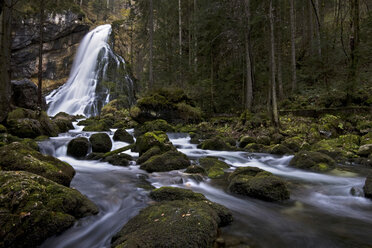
(20, 157)
(156, 125)
(368, 187)
(96, 125)
(216, 143)
(256, 148)
(122, 135)
(280, 149)
(155, 150)
(245, 140)
(101, 142)
(26, 123)
(365, 150)
(293, 143)
(314, 161)
(330, 125)
(342, 148)
(78, 147)
(171, 160)
(181, 219)
(64, 121)
(257, 183)
(151, 139)
(366, 139)
(120, 159)
(194, 169)
(214, 167)
(263, 140)
(2, 129)
(34, 208)
(172, 105)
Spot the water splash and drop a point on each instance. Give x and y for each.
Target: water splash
(95, 63)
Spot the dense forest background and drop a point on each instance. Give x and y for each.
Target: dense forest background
(238, 54)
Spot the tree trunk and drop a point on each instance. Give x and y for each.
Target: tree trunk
(353, 43)
(151, 34)
(5, 43)
(40, 69)
(311, 28)
(317, 28)
(195, 40)
(274, 109)
(279, 54)
(180, 39)
(249, 81)
(293, 46)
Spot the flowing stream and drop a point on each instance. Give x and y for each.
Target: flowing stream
(321, 212)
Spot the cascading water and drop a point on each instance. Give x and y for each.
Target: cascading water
(95, 64)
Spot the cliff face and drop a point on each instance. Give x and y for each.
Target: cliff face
(62, 34)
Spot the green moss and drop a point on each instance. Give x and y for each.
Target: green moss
(171, 160)
(117, 151)
(150, 139)
(322, 167)
(214, 167)
(17, 156)
(122, 135)
(35, 208)
(343, 147)
(2, 129)
(315, 161)
(156, 125)
(173, 194)
(216, 143)
(366, 139)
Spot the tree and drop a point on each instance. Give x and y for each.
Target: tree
(293, 46)
(249, 72)
(151, 38)
(354, 44)
(274, 107)
(5, 44)
(40, 67)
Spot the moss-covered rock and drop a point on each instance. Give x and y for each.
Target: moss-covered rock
(256, 148)
(181, 219)
(365, 150)
(171, 160)
(121, 159)
(216, 143)
(257, 183)
(34, 208)
(330, 125)
(214, 167)
(156, 125)
(245, 140)
(293, 143)
(151, 139)
(155, 150)
(26, 123)
(263, 140)
(20, 157)
(64, 121)
(194, 169)
(78, 147)
(280, 149)
(342, 148)
(122, 135)
(101, 142)
(314, 161)
(366, 139)
(2, 129)
(95, 124)
(368, 187)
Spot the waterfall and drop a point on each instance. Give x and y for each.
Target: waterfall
(94, 65)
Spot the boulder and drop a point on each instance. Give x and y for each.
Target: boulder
(78, 147)
(171, 160)
(120, 159)
(20, 157)
(245, 140)
(280, 149)
(151, 139)
(122, 135)
(34, 208)
(214, 167)
(257, 183)
(216, 143)
(365, 150)
(314, 161)
(64, 121)
(155, 150)
(181, 218)
(95, 125)
(24, 94)
(194, 169)
(368, 187)
(101, 142)
(156, 125)
(263, 140)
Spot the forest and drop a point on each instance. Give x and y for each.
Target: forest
(185, 123)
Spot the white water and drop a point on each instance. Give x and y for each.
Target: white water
(321, 212)
(79, 95)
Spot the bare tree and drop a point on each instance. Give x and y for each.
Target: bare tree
(293, 46)
(151, 32)
(249, 81)
(40, 69)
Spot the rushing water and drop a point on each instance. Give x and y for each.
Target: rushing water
(321, 213)
(95, 63)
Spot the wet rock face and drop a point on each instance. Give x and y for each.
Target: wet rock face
(62, 34)
(24, 94)
(368, 187)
